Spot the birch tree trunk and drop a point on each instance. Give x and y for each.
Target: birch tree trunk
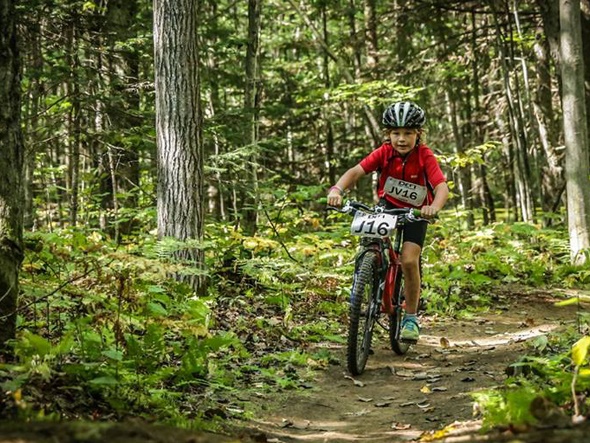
(575, 130)
(178, 130)
(11, 165)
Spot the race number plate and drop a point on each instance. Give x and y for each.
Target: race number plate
(373, 225)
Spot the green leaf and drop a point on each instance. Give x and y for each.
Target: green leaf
(105, 381)
(113, 354)
(35, 344)
(580, 350)
(157, 309)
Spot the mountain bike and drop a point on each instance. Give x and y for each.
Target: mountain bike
(378, 287)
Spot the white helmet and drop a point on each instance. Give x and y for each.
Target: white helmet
(404, 115)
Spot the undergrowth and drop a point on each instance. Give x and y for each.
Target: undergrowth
(106, 331)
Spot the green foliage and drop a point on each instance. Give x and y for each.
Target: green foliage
(462, 267)
(541, 384)
(104, 329)
(511, 406)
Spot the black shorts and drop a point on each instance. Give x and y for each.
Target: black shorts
(414, 232)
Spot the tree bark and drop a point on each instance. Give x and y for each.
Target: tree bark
(547, 128)
(178, 131)
(11, 165)
(371, 40)
(250, 200)
(585, 17)
(575, 130)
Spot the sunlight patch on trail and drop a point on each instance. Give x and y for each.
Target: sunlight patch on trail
(504, 338)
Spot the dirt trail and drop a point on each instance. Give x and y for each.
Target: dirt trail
(399, 398)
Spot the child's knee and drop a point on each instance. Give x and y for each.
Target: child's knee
(410, 262)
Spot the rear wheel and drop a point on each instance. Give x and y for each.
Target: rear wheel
(395, 319)
(363, 312)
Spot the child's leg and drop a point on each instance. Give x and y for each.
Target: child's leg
(410, 259)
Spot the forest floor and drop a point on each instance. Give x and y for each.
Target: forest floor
(396, 399)
(411, 397)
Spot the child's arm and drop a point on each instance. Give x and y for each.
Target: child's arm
(348, 179)
(441, 194)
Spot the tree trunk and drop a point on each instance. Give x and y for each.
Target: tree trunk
(463, 172)
(550, 161)
(216, 190)
(329, 144)
(178, 131)
(250, 201)
(585, 17)
(575, 130)
(121, 107)
(73, 118)
(371, 37)
(476, 134)
(11, 165)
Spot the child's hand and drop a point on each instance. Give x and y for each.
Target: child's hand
(334, 197)
(428, 211)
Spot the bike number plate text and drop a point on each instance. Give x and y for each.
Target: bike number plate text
(373, 225)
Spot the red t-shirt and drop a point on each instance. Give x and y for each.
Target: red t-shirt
(405, 181)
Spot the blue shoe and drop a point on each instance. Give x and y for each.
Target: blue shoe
(410, 330)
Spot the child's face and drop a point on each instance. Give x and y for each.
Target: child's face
(403, 139)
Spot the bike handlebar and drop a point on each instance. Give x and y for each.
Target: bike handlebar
(351, 206)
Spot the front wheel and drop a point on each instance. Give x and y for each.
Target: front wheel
(395, 319)
(363, 312)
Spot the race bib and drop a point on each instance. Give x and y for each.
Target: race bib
(405, 191)
(373, 225)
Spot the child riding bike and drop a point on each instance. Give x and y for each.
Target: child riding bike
(409, 176)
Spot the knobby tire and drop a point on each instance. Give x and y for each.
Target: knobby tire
(363, 312)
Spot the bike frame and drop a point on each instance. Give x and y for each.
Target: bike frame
(388, 254)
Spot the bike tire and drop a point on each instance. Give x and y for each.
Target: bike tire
(362, 312)
(395, 319)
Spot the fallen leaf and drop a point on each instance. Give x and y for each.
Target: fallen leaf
(439, 389)
(364, 399)
(356, 382)
(400, 426)
(444, 342)
(383, 404)
(425, 390)
(420, 376)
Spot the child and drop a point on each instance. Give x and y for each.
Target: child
(403, 159)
